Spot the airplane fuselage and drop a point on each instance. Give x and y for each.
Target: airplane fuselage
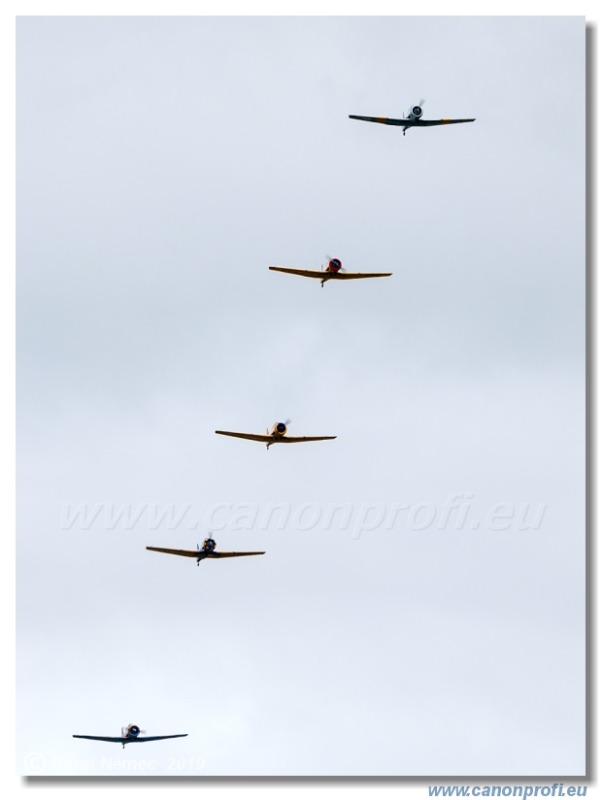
(331, 270)
(209, 545)
(279, 429)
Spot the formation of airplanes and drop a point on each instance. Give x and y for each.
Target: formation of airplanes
(412, 119)
(208, 550)
(130, 733)
(278, 433)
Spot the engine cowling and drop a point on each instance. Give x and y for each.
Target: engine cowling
(416, 112)
(334, 265)
(133, 730)
(209, 544)
(280, 429)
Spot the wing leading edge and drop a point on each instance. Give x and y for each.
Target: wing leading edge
(157, 738)
(189, 553)
(102, 738)
(295, 439)
(128, 739)
(218, 554)
(411, 123)
(267, 439)
(211, 554)
(324, 275)
(254, 437)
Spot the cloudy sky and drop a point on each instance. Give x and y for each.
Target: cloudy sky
(420, 607)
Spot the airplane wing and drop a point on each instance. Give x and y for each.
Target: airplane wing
(324, 275)
(190, 553)
(256, 437)
(411, 123)
(426, 123)
(349, 276)
(267, 439)
(295, 439)
(128, 739)
(120, 739)
(218, 554)
(306, 273)
(156, 738)
(384, 120)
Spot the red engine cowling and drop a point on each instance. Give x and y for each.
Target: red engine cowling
(334, 265)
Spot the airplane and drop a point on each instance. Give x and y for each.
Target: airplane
(413, 119)
(207, 551)
(130, 733)
(330, 272)
(275, 436)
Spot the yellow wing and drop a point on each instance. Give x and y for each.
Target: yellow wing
(329, 276)
(189, 553)
(267, 439)
(348, 276)
(255, 437)
(218, 554)
(295, 439)
(306, 273)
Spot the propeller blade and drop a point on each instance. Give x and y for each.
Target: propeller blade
(324, 266)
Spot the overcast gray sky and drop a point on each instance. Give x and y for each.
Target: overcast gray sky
(162, 165)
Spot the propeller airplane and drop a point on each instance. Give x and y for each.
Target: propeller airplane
(207, 551)
(333, 271)
(413, 119)
(275, 436)
(130, 733)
